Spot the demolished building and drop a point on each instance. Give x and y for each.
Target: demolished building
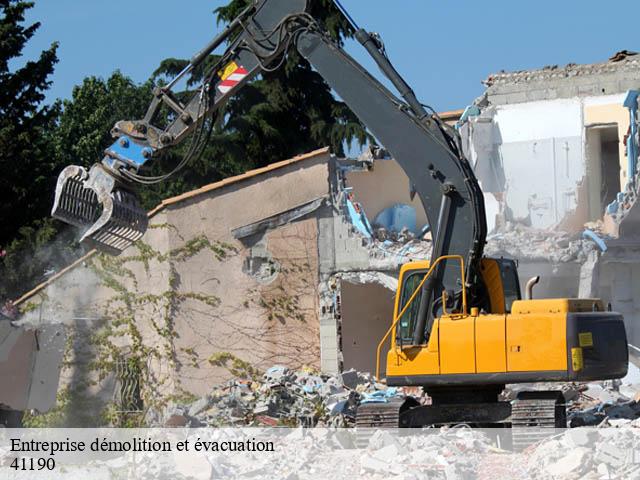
(556, 153)
(280, 265)
(296, 263)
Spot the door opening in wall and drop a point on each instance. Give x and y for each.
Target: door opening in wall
(603, 167)
(366, 311)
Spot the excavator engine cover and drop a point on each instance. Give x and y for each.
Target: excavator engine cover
(97, 202)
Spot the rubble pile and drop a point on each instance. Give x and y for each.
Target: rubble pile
(303, 398)
(447, 453)
(398, 252)
(611, 403)
(403, 236)
(444, 454)
(605, 404)
(585, 453)
(282, 397)
(520, 241)
(311, 454)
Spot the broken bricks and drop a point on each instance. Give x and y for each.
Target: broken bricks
(282, 397)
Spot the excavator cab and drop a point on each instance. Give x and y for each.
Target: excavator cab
(108, 214)
(500, 276)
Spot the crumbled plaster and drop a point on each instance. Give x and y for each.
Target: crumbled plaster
(350, 256)
(388, 281)
(531, 128)
(589, 276)
(260, 264)
(572, 80)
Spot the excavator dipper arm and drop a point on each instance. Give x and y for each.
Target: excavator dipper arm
(260, 37)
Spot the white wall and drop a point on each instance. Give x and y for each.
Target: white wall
(541, 146)
(541, 151)
(539, 120)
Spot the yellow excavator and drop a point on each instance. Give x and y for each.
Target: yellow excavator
(460, 329)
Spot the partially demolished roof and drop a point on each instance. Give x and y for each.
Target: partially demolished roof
(451, 116)
(181, 198)
(621, 61)
(617, 75)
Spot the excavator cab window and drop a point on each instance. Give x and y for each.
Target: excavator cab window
(510, 282)
(407, 323)
(500, 276)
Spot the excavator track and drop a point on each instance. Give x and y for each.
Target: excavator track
(375, 416)
(535, 415)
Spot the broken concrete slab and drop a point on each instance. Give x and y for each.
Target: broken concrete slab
(574, 463)
(30, 364)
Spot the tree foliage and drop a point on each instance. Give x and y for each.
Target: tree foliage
(25, 161)
(84, 126)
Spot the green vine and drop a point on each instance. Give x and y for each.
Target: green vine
(236, 366)
(54, 418)
(282, 305)
(126, 314)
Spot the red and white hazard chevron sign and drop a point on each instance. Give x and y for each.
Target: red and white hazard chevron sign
(230, 76)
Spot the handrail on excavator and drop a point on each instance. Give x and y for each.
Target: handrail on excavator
(414, 295)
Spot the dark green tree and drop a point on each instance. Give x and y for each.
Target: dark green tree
(26, 163)
(84, 128)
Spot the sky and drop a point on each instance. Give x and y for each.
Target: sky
(444, 49)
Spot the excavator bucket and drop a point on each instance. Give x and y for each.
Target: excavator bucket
(95, 201)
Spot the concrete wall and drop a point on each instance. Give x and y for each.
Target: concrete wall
(570, 81)
(541, 151)
(619, 283)
(556, 280)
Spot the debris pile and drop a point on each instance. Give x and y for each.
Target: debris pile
(399, 251)
(303, 398)
(584, 452)
(284, 397)
(520, 241)
(610, 403)
(606, 404)
(447, 453)
(281, 397)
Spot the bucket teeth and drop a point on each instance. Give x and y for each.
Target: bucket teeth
(110, 216)
(75, 204)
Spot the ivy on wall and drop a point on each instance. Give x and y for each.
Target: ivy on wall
(123, 337)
